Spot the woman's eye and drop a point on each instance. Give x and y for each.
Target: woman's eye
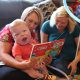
(16, 34)
(24, 30)
(30, 21)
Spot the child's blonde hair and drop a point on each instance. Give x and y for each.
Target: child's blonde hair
(15, 23)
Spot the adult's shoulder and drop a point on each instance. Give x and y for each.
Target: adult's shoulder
(45, 27)
(5, 34)
(45, 23)
(76, 31)
(77, 28)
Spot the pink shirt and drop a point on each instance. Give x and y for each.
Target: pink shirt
(5, 35)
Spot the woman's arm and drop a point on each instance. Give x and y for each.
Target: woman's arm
(5, 49)
(73, 64)
(77, 40)
(19, 58)
(5, 54)
(44, 37)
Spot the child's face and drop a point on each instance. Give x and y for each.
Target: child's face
(21, 34)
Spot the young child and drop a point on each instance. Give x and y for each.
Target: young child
(23, 46)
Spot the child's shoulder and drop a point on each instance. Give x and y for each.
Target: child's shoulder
(33, 41)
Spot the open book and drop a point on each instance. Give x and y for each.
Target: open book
(49, 48)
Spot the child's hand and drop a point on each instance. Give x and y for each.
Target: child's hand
(23, 65)
(37, 65)
(27, 64)
(33, 62)
(41, 67)
(47, 59)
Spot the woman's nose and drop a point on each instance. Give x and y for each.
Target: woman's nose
(33, 26)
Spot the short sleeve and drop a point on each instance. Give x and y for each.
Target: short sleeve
(76, 31)
(5, 35)
(16, 50)
(45, 27)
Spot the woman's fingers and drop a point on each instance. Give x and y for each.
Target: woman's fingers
(73, 68)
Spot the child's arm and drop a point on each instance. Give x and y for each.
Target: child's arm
(17, 54)
(19, 58)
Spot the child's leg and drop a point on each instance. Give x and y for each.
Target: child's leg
(44, 69)
(34, 73)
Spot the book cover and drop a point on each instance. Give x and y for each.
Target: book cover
(49, 48)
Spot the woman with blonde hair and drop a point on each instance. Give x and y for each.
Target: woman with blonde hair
(34, 18)
(61, 26)
(11, 69)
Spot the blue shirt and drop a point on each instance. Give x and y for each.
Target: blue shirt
(69, 49)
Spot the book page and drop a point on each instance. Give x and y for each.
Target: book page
(49, 48)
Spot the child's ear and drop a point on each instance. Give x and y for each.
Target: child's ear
(14, 38)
